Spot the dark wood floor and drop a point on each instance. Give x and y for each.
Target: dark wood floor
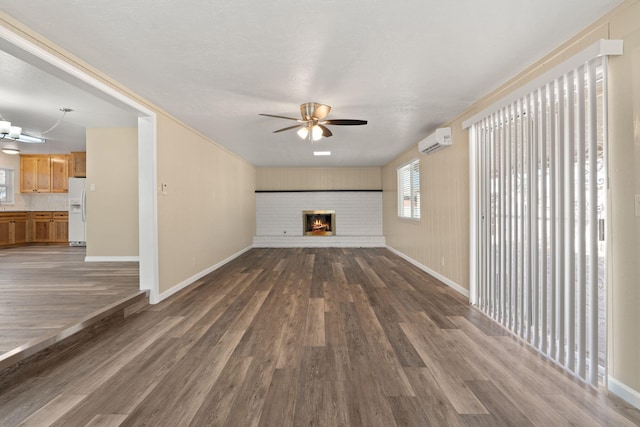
(290, 337)
(46, 289)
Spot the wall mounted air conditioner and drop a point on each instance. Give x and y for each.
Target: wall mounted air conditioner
(439, 139)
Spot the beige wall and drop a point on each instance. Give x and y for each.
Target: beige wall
(208, 211)
(319, 178)
(10, 161)
(443, 231)
(112, 209)
(624, 173)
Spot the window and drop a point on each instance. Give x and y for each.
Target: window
(409, 190)
(6, 186)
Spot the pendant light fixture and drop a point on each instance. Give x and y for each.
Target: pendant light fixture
(9, 132)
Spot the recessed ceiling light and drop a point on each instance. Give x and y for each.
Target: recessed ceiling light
(322, 153)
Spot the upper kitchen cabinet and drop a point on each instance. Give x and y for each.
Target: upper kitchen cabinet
(44, 173)
(59, 173)
(35, 174)
(78, 164)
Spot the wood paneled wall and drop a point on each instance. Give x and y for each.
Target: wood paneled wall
(440, 239)
(361, 178)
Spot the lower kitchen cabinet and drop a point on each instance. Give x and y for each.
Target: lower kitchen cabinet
(50, 227)
(60, 232)
(13, 228)
(20, 229)
(41, 227)
(38, 227)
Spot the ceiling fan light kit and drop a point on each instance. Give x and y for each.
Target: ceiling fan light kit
(312, 126)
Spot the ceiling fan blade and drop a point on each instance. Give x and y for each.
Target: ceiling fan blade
(288, 128)
(280, 117)
(325, 131)
(314, 111)
(344, 122)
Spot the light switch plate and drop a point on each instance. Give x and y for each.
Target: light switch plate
(637, 204)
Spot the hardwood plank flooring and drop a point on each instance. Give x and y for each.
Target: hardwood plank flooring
(45, 289)
(289, 337)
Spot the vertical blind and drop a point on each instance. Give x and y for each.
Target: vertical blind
(540, 202)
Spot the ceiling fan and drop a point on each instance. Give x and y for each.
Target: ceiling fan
(312, 125)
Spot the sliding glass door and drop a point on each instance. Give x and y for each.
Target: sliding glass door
(540, 198)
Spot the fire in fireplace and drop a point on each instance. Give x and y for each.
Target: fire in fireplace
(318, 223)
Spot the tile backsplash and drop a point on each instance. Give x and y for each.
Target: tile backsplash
(40, 202)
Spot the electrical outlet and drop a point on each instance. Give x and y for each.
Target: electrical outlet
(164, 188)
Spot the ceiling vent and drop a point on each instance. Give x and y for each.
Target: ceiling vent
(439, 139)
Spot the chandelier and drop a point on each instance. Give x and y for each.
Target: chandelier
(14, 133)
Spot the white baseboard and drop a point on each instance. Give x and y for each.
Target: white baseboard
(111, 259)
(185, 283)
(426, 269)
(624, 391)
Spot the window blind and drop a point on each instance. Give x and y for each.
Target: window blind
(409, 190)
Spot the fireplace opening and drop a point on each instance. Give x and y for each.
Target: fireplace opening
(318, 223)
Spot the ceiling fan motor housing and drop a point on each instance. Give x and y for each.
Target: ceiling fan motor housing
(314, 111)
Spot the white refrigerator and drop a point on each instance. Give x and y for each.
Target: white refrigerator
(77, 212)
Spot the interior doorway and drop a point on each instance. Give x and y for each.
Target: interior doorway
(147, 212)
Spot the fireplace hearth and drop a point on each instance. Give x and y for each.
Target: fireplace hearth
(319, 223)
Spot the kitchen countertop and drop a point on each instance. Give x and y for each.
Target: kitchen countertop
(29, 210)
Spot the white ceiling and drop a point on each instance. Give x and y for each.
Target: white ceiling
(31, 96)
(405, 66)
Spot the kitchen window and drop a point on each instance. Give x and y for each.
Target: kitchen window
(6, 186)
(409, 190)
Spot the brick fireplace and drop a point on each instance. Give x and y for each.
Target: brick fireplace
(280, 223)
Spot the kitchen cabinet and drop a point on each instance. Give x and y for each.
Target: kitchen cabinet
(78, 164)
(60, 227)
(13, 228)
(59, 164)
(20, 228)
(5, 233)
(41, 227)
(37, 227)
(35, 174)
(44, 173)
(49, 227)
